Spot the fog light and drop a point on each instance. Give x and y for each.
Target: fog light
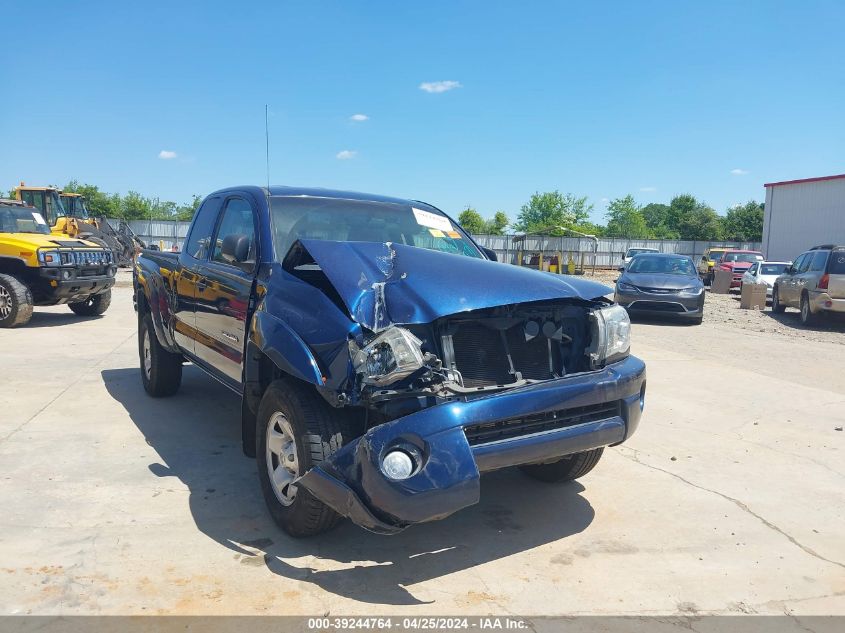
(397, 465)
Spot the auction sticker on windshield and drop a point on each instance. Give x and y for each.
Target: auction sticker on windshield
(432, 220)
(38, 218)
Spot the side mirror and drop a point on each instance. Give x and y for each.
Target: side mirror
(491, 254)
(621, 269)
(235, 248)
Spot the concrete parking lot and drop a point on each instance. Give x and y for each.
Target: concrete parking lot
(728, 500)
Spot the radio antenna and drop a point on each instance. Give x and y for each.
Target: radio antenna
(267, 145)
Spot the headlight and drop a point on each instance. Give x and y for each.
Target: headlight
(626, 287)
(692, 290)
(611, 335)
(49, 257)
(391, 356)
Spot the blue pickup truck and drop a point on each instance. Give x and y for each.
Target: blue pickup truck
(383, 359)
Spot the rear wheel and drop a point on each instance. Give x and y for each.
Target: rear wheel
(161, 371)
(807, 316)
(15, 302)
(296, 430)
(95, 305)
(777, 306)
(569, 468)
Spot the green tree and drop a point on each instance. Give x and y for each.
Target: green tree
(744, 222)
(497, 225)
(550, 209)
(185, 212)
(693, 220)
(625, 219)
(471, 221)
(703, 223)
(656, 216)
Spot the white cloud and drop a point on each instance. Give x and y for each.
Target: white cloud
(439, 86)
(648, 189)
(346, 154)
(359, 117)
(166, 154)
(739, 172)
(605, 199)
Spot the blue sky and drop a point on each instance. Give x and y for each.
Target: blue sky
(597, 99)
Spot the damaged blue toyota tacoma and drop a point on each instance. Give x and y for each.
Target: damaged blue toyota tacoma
(383, 359)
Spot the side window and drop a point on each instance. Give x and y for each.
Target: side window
(819, 261)
(236, 219)
(753, 269)
(802, 263)
(201, 229)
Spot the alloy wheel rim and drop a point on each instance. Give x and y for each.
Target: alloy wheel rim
(282, 458)
(5, 303)
(148, 360)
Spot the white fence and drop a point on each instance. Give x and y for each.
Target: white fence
(166, 233)
(608, 253)
(163, 233)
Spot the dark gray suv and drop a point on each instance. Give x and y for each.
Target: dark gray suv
(814, 283)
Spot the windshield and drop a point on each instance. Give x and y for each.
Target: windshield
(662, 265)
(55, 209)
(75, 206)
(715, 255)
(742, 257)
(22, 220)
(297, 218)
(773, 269)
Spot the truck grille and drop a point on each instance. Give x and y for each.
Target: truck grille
(488, 432)
(86, 257)
(482, 356)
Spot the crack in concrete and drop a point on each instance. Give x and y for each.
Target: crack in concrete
(65, 390)
(808, 550)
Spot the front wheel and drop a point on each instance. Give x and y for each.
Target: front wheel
(777, 306)
(95, 305)
(295, 431)
(569, 468)
(161, 371)
(15, 302)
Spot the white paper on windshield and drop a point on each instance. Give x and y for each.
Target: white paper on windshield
(38, 218)
(432, 220)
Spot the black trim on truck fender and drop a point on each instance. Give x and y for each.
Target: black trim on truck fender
(156, 297)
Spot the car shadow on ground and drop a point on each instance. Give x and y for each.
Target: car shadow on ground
(823, 322)
(197, 436)
(53, 319)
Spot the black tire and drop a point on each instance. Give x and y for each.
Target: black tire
(317, 433)
(777, 306)
(697, 320)
(163, 376)
(806, 315)
(569, 468)
(95, 305)
(15, 302)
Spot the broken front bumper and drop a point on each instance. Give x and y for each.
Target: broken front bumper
(458, 440)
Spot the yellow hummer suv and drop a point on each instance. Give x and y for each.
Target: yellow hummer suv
(41, 269)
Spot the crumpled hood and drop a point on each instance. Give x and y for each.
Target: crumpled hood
(663, 282)
(384, 283)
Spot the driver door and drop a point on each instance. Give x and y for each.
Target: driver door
(224, 290)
